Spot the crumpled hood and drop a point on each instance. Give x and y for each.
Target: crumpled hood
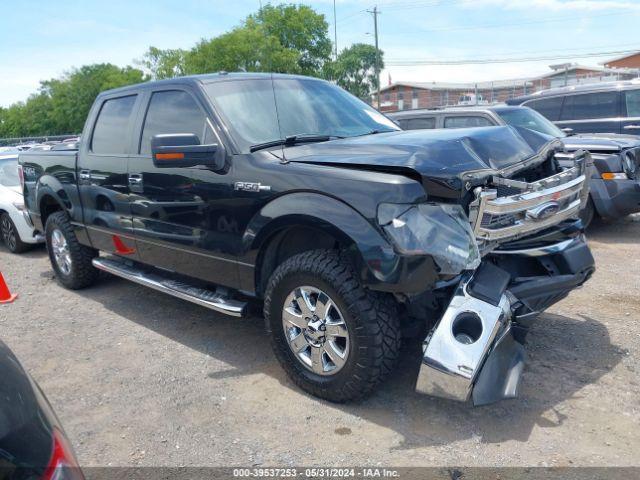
(439, 156)
(601, 142)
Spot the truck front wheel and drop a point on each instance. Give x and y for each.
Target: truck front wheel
(334, 338)
(70, 259)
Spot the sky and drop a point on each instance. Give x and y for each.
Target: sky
(43, 39)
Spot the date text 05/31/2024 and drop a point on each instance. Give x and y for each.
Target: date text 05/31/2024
(316, 472)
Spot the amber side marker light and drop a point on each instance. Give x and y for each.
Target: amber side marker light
(169, 156)
(614, 176)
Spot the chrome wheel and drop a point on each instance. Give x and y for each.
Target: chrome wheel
(9, 234)
(61, 252)
(315, 330)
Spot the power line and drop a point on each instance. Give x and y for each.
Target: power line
(513, 24)
(351, 15)
(402, 6)
(619, 46)
(412, 5)
(482, 61)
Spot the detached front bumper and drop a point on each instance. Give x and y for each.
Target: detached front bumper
(475, 350)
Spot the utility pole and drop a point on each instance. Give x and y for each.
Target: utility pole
(375, 14)
(335, 30)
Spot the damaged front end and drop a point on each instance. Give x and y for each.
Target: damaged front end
(533, 253)
(472, 351)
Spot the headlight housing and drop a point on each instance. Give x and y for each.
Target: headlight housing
(439, 230)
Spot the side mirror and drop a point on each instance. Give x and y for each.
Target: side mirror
(567, 130)
(176, 150)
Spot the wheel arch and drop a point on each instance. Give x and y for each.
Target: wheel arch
(48, 204)
(287, 241)
(299, 222)
(51, 195)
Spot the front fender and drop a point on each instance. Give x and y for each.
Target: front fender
(377, 263)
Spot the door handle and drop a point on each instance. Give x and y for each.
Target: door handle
(85, 174)
(135, 179)
(631, 127)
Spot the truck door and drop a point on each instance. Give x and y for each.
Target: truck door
(180, 215)
(102, 176)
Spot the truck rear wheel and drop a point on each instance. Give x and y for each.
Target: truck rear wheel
(334, 338)
(71, 261)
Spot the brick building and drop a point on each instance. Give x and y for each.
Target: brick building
(627, 61)
(412, 95)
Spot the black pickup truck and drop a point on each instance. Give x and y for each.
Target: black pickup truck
(287, 191)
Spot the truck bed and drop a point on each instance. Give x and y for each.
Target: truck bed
(52, 173)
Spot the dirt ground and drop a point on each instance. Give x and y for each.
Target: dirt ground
(140, 378)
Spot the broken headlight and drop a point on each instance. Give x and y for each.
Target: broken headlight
(439, 230)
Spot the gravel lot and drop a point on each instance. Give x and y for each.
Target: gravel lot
(139, 378)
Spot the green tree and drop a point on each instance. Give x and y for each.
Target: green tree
(283, 38)
(299, 29)
(245, 48)
(61, 105)
(163, 63)
(74, 93)
(355, 69)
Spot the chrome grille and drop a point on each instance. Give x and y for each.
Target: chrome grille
(510, 209)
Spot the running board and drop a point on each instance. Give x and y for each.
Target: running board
(200, 296)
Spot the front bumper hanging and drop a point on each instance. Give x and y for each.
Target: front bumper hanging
(471, 351)
(474, 351)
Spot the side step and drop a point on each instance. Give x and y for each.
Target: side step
(206, 298)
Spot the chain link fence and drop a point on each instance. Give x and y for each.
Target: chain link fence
(14, 141)
(414, 95)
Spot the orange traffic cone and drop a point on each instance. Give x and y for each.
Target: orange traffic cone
(121, 248)
(5, 294)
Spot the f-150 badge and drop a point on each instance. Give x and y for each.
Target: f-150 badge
(251, 187)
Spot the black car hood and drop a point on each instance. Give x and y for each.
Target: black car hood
(438, 157)
(601, 142)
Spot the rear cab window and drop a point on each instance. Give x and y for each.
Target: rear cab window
(9, 171)
(112, 127)
(467, 121)
(420, 123)
(173, 112)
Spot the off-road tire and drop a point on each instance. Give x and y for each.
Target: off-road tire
(16, 245)
(371, 319)
(82, 273)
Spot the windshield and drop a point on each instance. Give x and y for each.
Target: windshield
(527, 118)
(254, 113)
(9, 172)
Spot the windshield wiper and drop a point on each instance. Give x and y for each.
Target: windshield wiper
(374, 132)
(292, 140)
